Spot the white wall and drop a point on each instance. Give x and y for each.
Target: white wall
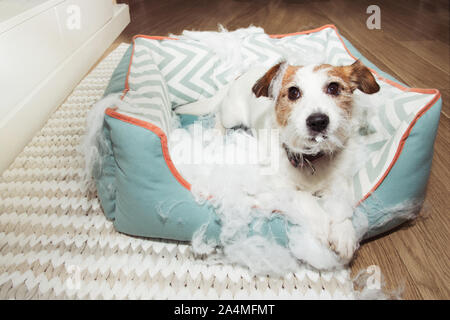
(45, 51)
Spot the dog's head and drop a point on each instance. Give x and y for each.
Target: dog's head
(313, 104)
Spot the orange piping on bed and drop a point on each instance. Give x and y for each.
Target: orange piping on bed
(276, 36)
(401, 145)
(162, 136)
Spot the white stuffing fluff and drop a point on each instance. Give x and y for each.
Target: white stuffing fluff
(236, 175)
(227, 45)
(93, 138)
(406, 211)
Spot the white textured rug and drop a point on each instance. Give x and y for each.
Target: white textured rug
(55, 241)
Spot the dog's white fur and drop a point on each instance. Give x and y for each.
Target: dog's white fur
(260, 99)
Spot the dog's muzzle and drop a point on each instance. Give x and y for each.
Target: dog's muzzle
(299, 159)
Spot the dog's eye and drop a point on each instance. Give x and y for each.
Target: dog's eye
(294, 93)
(333, 89)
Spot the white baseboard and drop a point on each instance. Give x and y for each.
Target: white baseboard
(34, 110)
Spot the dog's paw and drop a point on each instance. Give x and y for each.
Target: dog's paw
(342, 239)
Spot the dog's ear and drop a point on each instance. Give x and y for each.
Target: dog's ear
(363, 78)
(261, 87)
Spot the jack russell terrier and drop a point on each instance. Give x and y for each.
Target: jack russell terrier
(312, 107)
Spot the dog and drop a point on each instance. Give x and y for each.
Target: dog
(312, 107)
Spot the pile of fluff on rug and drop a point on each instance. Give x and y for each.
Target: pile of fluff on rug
(239, 175)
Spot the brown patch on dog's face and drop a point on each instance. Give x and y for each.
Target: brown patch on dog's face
(340, 89)
(339, 86)
(289, 74)
(322, 66)
(345, 79)
(357, 76)
(288, 96)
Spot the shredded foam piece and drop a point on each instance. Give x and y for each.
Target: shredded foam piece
(55, 241)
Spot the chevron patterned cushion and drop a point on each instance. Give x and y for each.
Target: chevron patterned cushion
(164, 73)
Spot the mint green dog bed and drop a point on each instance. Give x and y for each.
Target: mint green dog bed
(141, 190)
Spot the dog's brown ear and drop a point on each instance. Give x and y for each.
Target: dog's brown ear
(363, 78)
(261, 87)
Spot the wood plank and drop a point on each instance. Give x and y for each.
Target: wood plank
(424, 261)
(434, 52)
(445, 92)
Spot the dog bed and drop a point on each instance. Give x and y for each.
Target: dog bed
(144, 194)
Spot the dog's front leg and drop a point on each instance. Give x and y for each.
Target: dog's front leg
(313, 217)
(342, 237)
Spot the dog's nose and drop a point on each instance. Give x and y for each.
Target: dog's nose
(317, 122)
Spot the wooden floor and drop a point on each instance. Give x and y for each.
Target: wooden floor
(412, 45)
